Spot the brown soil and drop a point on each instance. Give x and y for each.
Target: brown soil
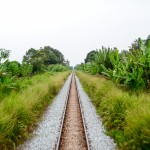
(73, 136)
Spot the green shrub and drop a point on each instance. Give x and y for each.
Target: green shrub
(57, 68)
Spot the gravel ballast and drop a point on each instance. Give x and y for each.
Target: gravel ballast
(46, 135)
(98, 140)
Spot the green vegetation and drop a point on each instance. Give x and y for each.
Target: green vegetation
(125, 116)
(20, 110)
(130, 69)
(57, 68)
(26, 89)
(123, 101)
(40, 59)
(34, 62)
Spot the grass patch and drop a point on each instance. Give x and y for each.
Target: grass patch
(19, 111)
(126, 117)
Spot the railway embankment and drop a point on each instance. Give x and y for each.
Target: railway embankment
(125, 115)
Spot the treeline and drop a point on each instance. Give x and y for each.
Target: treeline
(45, 59)
(40, 59)
(130, 68)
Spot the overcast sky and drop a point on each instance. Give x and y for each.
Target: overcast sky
(75, 27)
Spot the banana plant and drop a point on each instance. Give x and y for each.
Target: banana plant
(130, 68)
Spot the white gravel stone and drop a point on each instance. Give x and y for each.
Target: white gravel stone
(46, 135)
(98, 140)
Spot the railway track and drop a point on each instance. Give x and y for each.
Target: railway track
(73, 134)
(63, 125)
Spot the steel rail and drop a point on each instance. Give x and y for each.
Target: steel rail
(83, 120)
(82, 116)
(63, 117)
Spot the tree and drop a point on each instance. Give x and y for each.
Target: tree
(58, 56)
(90, 56)
(67, 63)
(25, 69)
(13, 68)
(43, 57)
(4, 54)
(30, 55)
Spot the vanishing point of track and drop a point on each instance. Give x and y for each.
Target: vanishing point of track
(73, 133)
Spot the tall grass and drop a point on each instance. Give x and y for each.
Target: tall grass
(125, 116)
(20, 110)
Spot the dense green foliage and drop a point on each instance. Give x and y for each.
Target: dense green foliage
(21, 109)
(14, 68)
(57, 68)
(129, 68)
(90, 56)
(35, 61)
(10, 71)
(126, 117)
(43, 57)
